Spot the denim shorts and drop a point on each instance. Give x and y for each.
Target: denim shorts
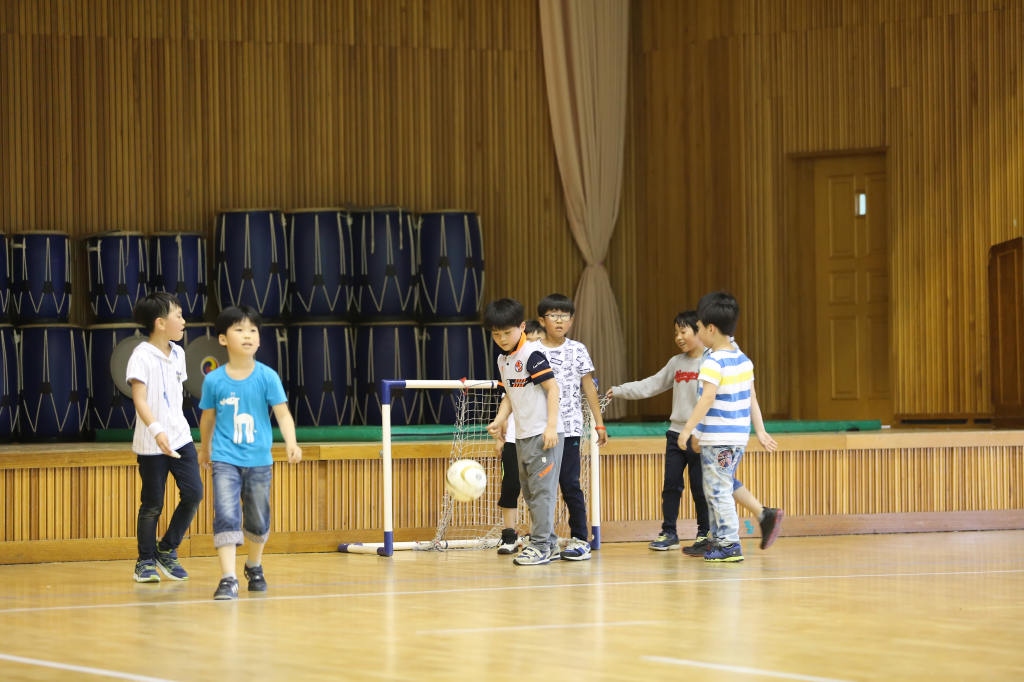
(241, 504)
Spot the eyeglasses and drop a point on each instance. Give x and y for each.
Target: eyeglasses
(558, 317)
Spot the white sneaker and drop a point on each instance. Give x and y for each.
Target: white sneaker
(576, 550)
(532, 556)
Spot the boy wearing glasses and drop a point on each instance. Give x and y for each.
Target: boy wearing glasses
(573, 368)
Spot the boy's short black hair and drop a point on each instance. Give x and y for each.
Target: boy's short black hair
(720, 309)
(555, 302)
(155, 305)
(533, 327)
(687, 318)
(502, 314)
(235, 314)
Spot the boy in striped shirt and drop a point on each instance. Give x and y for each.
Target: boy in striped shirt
(721, 420)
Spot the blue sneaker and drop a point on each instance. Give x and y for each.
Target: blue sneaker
(227, 589)
(724, 553)
(254, 574)
(576, 550)
(145, 571)
(169, 566)
(665, 542)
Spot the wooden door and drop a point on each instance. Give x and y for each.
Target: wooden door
(851, 218)
(1006, 322)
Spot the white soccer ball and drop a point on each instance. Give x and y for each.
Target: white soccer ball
(466, 480)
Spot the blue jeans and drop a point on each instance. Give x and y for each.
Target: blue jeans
(718, 467)
(241, 504)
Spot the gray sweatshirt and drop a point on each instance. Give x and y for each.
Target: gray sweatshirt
(680, 374)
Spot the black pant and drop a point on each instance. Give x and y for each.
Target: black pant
(153, 470)
(572, 494)
(676, 461)
(510, 487)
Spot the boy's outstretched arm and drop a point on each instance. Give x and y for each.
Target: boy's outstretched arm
(767, 442)
(287, 426)
(206, 424)
(707, 399)
(595, 409)
(645, 388)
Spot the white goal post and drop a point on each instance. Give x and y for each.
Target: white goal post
(471, 430)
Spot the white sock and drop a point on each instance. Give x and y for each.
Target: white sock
(230, 574)
(249, 564)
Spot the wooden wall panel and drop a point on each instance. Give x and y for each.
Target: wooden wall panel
(727, 91)
(101, 502)
(141, 115)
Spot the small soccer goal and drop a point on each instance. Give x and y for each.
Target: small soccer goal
(477, 524)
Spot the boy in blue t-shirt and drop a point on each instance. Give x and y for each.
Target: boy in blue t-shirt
(236, 436)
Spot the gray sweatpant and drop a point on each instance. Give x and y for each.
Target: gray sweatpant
(538, 477)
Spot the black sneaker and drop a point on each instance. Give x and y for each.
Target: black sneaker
(227, 589)
(257, 583)
(699, 548)
(771, 524)
(509, 541)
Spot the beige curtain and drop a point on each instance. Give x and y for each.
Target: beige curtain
(585, 58)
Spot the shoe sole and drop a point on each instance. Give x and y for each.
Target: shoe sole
(257, 589)
(770, 540)
(168, 573)
(228, 598)
(663, 549)
(506, 552)
(535, 563)
(693, 554)
(727, 560)
(154, 579)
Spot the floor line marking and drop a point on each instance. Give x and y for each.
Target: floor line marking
(81, 669)
(553, 626)
(740, 669)
(469, 590)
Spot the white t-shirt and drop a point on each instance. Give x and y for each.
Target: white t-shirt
(163, 376)
(523, 371)
(510, 429)
(570, 363)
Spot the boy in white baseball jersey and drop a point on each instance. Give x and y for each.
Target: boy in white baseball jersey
(532, 395)
(508, 502)
(163, 441)
(573, 368)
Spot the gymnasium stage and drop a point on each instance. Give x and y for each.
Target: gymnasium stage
(78, 502)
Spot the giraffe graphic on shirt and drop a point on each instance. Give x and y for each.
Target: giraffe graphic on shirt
(241, 421)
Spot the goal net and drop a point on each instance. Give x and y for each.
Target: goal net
(478, 524)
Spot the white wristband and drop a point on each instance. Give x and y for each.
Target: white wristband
(155, 429)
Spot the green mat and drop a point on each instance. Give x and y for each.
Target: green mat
(435, 432)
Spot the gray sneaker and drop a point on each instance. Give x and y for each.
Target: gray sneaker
(576, 550)
(665, 542)
(533, 556)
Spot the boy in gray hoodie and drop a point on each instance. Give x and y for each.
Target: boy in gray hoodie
(680, 374)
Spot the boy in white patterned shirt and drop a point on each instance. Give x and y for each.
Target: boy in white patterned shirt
(163, 441)
(573, 368)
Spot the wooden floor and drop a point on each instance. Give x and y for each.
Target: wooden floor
(856, 608)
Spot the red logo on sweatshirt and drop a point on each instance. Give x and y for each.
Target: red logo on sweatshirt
(519, 366)
(686, 376)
